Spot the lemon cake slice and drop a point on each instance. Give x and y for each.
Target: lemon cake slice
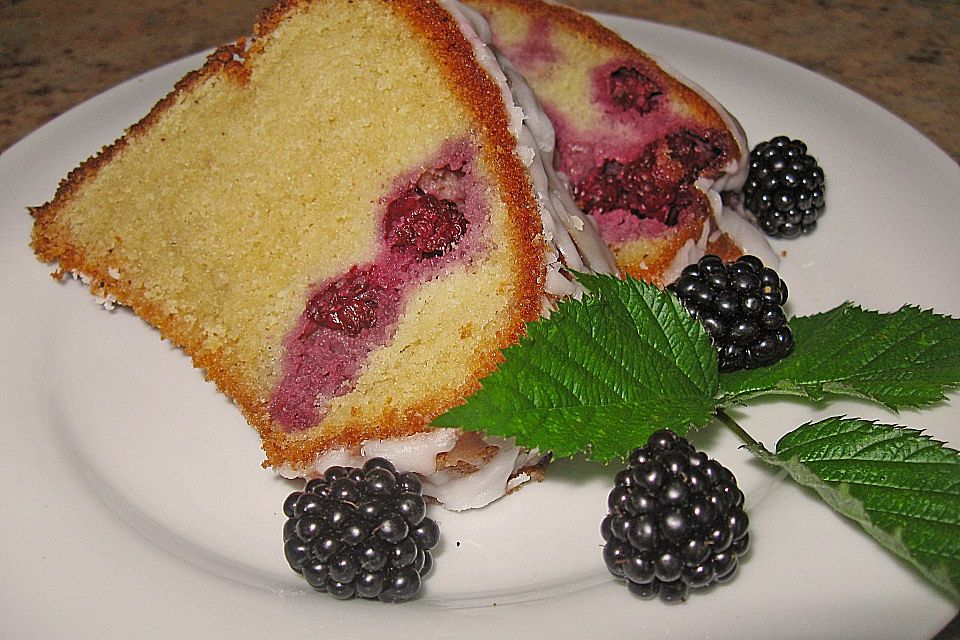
(343, 220)
(648, 153)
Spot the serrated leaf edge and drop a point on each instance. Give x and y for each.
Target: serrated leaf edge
(837, 496)
(837, 387)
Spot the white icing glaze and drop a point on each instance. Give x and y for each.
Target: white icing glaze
(458, 491)
(417, 453)
(481, 479)
(738, 223)
(108, 301)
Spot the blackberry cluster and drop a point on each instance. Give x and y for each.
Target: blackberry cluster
(785, 188)
(741, 306)
(676, 521)
(361, 532)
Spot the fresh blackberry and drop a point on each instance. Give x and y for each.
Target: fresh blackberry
(360, 532)
(675, 522)
(741, 306)
(784, 188)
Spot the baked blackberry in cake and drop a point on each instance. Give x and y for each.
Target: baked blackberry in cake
(647, 153)
(342, 220)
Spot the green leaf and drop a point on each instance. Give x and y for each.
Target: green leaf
(908, 358)
(902, 487)
(600, 375)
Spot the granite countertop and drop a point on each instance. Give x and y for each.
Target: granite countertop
(903, 55)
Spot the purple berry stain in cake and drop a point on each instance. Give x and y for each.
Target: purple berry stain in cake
(347, 304)
(630, 90)
(635, 171)
(536, 49)
(423, 225)
(430, 220)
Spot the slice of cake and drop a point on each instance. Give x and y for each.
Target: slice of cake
(647, 152)
(342, 220)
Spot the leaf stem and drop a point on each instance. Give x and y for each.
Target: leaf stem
(731, 424)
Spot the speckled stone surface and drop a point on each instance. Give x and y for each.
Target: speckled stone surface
(903, 55)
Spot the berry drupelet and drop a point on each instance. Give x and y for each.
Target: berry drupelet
(785, 188)
(361, 532)
(675, 522)
(741, 306)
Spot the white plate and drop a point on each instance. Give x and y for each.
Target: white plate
(135, 506)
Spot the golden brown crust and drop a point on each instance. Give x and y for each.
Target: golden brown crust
(473, 87)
